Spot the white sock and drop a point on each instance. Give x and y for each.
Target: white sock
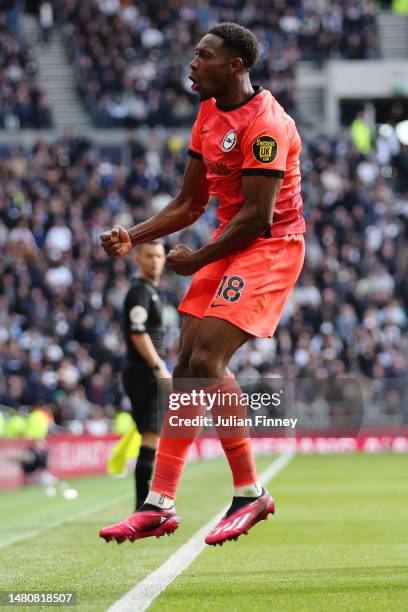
(160, 500)
(254, 489)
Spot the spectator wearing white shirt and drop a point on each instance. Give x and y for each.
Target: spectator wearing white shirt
(59, 237)
(46, 21)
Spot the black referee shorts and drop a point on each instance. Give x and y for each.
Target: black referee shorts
(141, 387)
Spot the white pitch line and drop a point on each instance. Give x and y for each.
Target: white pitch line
(140, 598)
(63, 521)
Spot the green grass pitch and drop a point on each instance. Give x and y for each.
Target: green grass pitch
(337, 542)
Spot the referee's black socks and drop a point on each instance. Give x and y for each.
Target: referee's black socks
(143, 473)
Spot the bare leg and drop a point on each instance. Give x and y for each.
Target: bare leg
(215, 343)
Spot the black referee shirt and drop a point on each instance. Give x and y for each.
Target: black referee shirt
(143, 314)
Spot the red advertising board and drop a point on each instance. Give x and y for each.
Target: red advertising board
(207, 448)
(71, 456)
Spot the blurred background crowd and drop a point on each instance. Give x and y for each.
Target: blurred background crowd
(131, 59)
(61, 297)
(144, 77)
(22, 104)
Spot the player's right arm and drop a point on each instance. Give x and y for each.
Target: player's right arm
(181, 212)
(144, 346)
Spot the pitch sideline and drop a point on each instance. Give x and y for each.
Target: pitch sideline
(143, 594)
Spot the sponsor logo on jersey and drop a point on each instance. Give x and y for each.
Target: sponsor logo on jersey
(217, 168)
(265, 149)
(229, 141)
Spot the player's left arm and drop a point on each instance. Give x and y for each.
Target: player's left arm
(253, 220)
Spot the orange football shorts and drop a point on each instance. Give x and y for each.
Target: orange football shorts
(250, 287)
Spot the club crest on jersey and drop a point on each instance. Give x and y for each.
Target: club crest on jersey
(229, 141)
(265, 149)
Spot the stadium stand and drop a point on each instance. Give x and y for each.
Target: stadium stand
(143, 79)
(61, 297)
(22, 104)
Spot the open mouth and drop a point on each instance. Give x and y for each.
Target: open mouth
(194, 85)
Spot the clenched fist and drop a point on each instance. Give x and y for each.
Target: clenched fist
(116, 242)
(183, 260)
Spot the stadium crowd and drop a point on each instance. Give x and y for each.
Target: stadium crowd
(144, 77)
(22, 104)
(61, 297)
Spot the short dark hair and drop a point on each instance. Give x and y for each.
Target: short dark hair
(239, 39)
(154, 242)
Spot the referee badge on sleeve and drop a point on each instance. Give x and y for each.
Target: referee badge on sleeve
(265, 149)
(138, 315)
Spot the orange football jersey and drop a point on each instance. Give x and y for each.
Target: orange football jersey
(256, 137)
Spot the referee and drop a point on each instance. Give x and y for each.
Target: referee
(145, 357)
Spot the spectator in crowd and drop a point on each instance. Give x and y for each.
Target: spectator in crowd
(11, 9)
(46, 16)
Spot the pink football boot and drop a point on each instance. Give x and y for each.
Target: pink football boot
(142, 524)
(237, 522)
